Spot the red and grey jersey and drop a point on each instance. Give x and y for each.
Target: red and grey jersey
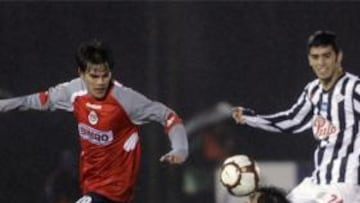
(334, 117)
(108, 129)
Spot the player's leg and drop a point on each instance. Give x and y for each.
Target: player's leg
(95, 198)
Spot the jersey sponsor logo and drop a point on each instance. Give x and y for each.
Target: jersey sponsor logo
(93, 106)
(322, 128)
(93, 118)
(95, 136)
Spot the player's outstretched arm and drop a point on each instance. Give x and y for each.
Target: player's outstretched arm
(179, 145)
(57, 97)
(294, 120)
(174, 157)
(21, 103)
(142, 110)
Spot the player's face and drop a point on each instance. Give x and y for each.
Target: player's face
(97, 78)
(324, 62)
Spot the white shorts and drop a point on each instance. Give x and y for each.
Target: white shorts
(309, 192)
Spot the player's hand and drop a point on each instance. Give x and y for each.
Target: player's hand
(237, 114)
(174, 157)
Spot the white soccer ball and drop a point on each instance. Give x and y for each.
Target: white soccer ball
(240, 175)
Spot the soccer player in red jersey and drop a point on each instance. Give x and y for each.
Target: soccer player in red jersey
(108, 115)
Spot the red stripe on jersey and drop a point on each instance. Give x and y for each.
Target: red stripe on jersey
(44, 96)
(171, 120)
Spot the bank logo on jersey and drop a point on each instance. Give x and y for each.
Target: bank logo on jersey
(95, 136)
(322, 128)
(93, 118)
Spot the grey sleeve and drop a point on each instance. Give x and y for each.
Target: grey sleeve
(60, 96)
(178, 139)
(140, 109)
(22, 103)
(57, 97)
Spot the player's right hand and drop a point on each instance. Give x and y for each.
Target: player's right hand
(175, 156)
(237, 114)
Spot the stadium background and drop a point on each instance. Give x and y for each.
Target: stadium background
(189, 55)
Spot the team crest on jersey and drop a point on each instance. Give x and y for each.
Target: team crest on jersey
(93, 118)
(95, 136)
(323, 128)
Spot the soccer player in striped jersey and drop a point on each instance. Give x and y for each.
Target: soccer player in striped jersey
(109, 116)
(330, 105)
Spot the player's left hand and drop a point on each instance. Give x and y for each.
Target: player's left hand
(173, 157)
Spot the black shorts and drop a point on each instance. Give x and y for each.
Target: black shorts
(95, 198)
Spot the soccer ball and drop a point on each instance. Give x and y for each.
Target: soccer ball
(240, 175)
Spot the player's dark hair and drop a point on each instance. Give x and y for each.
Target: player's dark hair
(272, 195)
(93, 52)
(323, 38)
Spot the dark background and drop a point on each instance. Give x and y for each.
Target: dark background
(189, 55)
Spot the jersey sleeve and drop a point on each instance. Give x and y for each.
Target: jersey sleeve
(294, 120)
(142, 110)
(357, 99)
(57, 97)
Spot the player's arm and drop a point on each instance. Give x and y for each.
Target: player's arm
(143, 110)
(173, 126)
(294, 120)
(54, 98)
(22, 103)
(357, 100)
(177, 134)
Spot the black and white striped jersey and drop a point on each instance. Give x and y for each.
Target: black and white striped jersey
(334, 117)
